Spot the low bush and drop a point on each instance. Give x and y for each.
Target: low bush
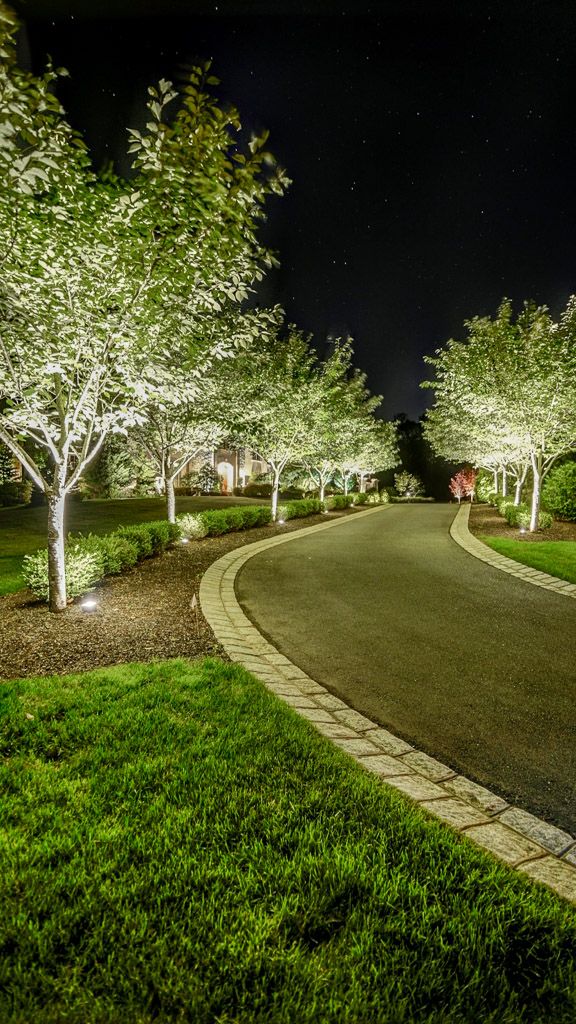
(360, 497)
(502, 502)
(15, 492)
(162, 533)
(139, 536)
(559, 491)
(300, 508)
(83, 570)
(117, 552)
(512, 513)
(382, 496)
(215, 521)
(337, 501)
(235, 518)
(192, 525)
(256, 490)
(523, 518)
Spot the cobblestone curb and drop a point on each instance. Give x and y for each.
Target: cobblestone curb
(542, 851)
(460, 533)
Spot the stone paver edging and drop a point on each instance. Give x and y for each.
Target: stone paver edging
(460, 533)
(542, 851)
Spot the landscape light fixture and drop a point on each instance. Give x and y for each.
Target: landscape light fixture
(89, 604)
(281, 522)
(183, 540)
(522, 529)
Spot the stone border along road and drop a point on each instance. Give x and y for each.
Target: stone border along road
(541, 851)
(460, 533)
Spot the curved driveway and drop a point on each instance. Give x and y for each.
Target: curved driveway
(474, 666)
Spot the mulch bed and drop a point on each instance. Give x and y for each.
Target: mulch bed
(142, 615)
(486, 522)
(146, 613)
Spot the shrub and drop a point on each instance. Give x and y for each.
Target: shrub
(513, 512)
(492, 498)
(161, 534)
(484, 486)
(408, 484)
(336, 501)
(523, 518)
(139, 536)
(360, 497)
(83, 569)
(234, 518)
(15, 492)
(192, 525)
(298, 509)
(559, 491)
(264, 514)
(117, 552)
(258, 490)
(502, 502)
(215, 520)
(383, 497)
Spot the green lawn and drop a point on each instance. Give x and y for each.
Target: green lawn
(23, 529)
(179, 846)
(558, 557)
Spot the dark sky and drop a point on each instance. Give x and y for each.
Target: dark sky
(432, 148)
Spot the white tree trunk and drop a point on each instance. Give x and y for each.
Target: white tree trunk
(495, 474)
(322, 488)
(362, 483)
(537, 478)
(504, 482)
(275, 489)
(56, 562)
(345, 479)
(170, 499)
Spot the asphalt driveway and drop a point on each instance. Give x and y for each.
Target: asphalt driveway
(468, 663)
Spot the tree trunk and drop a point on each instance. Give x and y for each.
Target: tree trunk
(170, 499)
(322, 486)
(345, 480)
(504, 482)
(362, 483)
(275, 489)
(56, 562)
(537, 477)
(520, 481)
(495, 474)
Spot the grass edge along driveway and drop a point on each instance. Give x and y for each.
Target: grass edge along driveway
(180, 846)
(556, 557)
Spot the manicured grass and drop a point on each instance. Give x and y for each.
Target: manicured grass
(178, 846)
(23, 529)
(558, 557)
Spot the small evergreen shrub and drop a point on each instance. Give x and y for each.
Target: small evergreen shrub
(300, 508)
(215, 521)
(234, 518)
(383, 498)
(162, 533)
(117, 552)
(192, 525)
(139, 536)
(502, 502)
(83, 570)
(559, 491)
(338, 501)
(264, 514)
(258, 490)
(512, 513)
(524, 515)
(360, 497)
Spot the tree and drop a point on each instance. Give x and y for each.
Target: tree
(463, 483)
(101, 277)
(408, 484)
(282, 389)
(513, 385)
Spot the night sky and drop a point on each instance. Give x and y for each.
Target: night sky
(432, 148)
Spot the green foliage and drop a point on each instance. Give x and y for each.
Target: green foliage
(502, 503)
(384, 495)
(299, 508)
(559, 491)
(360, 497)
(192, 525)
(15, 492)
(515, 514)
(83, 570)
(556, 557)
(216, 521)
(140, 536)
(523, 517)
(208, 479)
(151, 538)
(117, 552)
(257, 490)
(338, 501)
(7, 470)
(408, 485)
(484, 486)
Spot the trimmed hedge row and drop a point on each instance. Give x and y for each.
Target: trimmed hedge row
(299, 508)
(519, 515)
(89, 559)
(213, 522)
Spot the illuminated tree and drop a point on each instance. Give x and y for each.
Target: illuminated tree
(99, 279)
(513, 383)
(463, 484)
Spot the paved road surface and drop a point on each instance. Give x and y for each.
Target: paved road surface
(471, 665)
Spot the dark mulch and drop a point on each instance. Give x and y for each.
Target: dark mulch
(142, 615)
(486, 522)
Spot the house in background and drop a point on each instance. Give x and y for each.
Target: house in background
(234, 466)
